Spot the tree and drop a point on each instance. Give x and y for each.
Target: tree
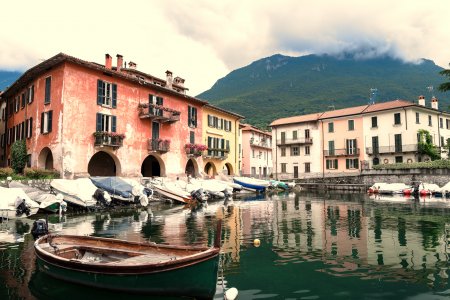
(426, 146)
(446, 85)
(18, 156)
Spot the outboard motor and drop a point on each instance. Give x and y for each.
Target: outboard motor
(39, 228)
(102, 197)
(199, 195)
(21, 207)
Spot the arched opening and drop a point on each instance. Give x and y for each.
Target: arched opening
(376, 161)
(210, 169)
(191, 168)
(102, 164)
(45, 159)
(228, 169)
(152, 166)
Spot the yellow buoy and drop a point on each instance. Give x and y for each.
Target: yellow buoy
(256, 242)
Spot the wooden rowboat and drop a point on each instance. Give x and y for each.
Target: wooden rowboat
(113, 264)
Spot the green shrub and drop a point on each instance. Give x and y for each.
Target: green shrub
(18, 156)
(6, 172)
(35, 173)
(435, 164)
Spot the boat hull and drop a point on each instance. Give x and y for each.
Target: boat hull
(256, 187)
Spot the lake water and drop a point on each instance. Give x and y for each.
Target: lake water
(312, 246)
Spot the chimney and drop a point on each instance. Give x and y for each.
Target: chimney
(169, 79)
(132, 65)
(179, 81)
(108, 61)
(421, 100)
(434, 103)
(119, 62)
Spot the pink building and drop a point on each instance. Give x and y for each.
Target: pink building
(256, 152)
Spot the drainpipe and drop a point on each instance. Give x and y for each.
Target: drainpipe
(323, 152)
(276, 153)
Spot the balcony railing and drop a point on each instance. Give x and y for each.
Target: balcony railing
(297, 141)
(158, 113)
(158, 145)
(217, 153)
(342, 152)
(261, 143)
(108, 139)
(391, 149)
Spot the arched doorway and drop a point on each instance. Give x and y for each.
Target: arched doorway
(191, 168)
(210, 169)
(102, 164)
(228, 169)
(152, 166)
(45, 159)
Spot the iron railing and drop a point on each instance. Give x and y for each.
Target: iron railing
(158, 113)
(342, 152)
(297, 141)
(158, 145)
(391, 149)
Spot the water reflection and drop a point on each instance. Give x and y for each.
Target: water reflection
(355, 245)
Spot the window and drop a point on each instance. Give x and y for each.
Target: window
(417, 118)
(253, 171)
(48, 88)
(294, 134)
(29, 127)
(210, 121)
(192, 116)
(351, 147)
(430, 121)
(307, 133)
(397, 119)
(283, 151)
(375, 145)
(307, 150)
(442, 141)
(30, 94)
(295, 151)
(446, 123)
(331, 164)
(351, 125)
(283, 137)
(283, 168)
(106, 123)
(398, 159)
(352, 163)
(227, 125)
(191, 137)
(253, 153)
(23, 100)
(376, 161)
(307, 167)
(374, 122)
(331, 127)
(441, 123)
(331, 147)
(398, 142)
(46, 122)
(17, 104)
(107, 94)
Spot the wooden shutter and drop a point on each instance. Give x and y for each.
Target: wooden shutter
(327, 164)
(100, 92)
(31, 127)
(98, 126)
(42, 122)
(227, 145)
(356, 163)
(114, 95)
(113, 123)
(336, 164)
(192, 137)
(48, 85)
(50, 115)
(189, 115)
(195, 116)
(347, 163)
(31, 99)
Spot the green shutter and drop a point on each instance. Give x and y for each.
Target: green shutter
(356, 163)
(347, 164)
(114, 124)
(336, 164)
(100, 92)
(31, 126)
(32, 94)
(327, 164)
(50, 117)
(98, 126)
(114, 95)
(42, 123)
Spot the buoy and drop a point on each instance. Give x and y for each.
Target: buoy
(231, 294)
(256, 242)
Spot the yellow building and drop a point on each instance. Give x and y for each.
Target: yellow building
(221, 135)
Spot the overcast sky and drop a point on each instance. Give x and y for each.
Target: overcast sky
(202, 41)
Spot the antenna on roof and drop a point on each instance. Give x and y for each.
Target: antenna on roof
(373, 95)
(431, 90)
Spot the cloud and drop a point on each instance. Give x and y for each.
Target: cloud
(203, 40)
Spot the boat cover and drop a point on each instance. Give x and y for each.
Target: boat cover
(114, 186)
(81, 188)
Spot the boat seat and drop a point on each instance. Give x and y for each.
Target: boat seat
(151, 258)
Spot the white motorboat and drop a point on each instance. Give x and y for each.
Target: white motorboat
(393, 188)
(15, 203)
(170, 190)
(47, 202)
(214, 188)
(253, 184)
(79, 192)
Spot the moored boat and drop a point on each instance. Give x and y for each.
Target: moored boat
(113, 264)
(78, 192)
(252, 183)
(15, 203)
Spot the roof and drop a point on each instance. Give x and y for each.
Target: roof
(296, 119)
(59, 58)
(389, 105)
(344, 112)
(224, 111)
(248, 127)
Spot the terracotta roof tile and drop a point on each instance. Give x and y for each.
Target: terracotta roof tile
(343, 112)
(388, 105)
(296, 119)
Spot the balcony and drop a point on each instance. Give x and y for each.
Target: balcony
(158, 113)
(108, 139)
(158, 145)
(217, 153)
(261, 144)
(298, 141)
(342, 152)
(194, 149)
(391, 149)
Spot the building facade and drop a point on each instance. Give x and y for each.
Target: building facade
(348, 140)
(256, 152)
(82, 118)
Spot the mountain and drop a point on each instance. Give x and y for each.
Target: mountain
(7, 78)
(281, 86)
